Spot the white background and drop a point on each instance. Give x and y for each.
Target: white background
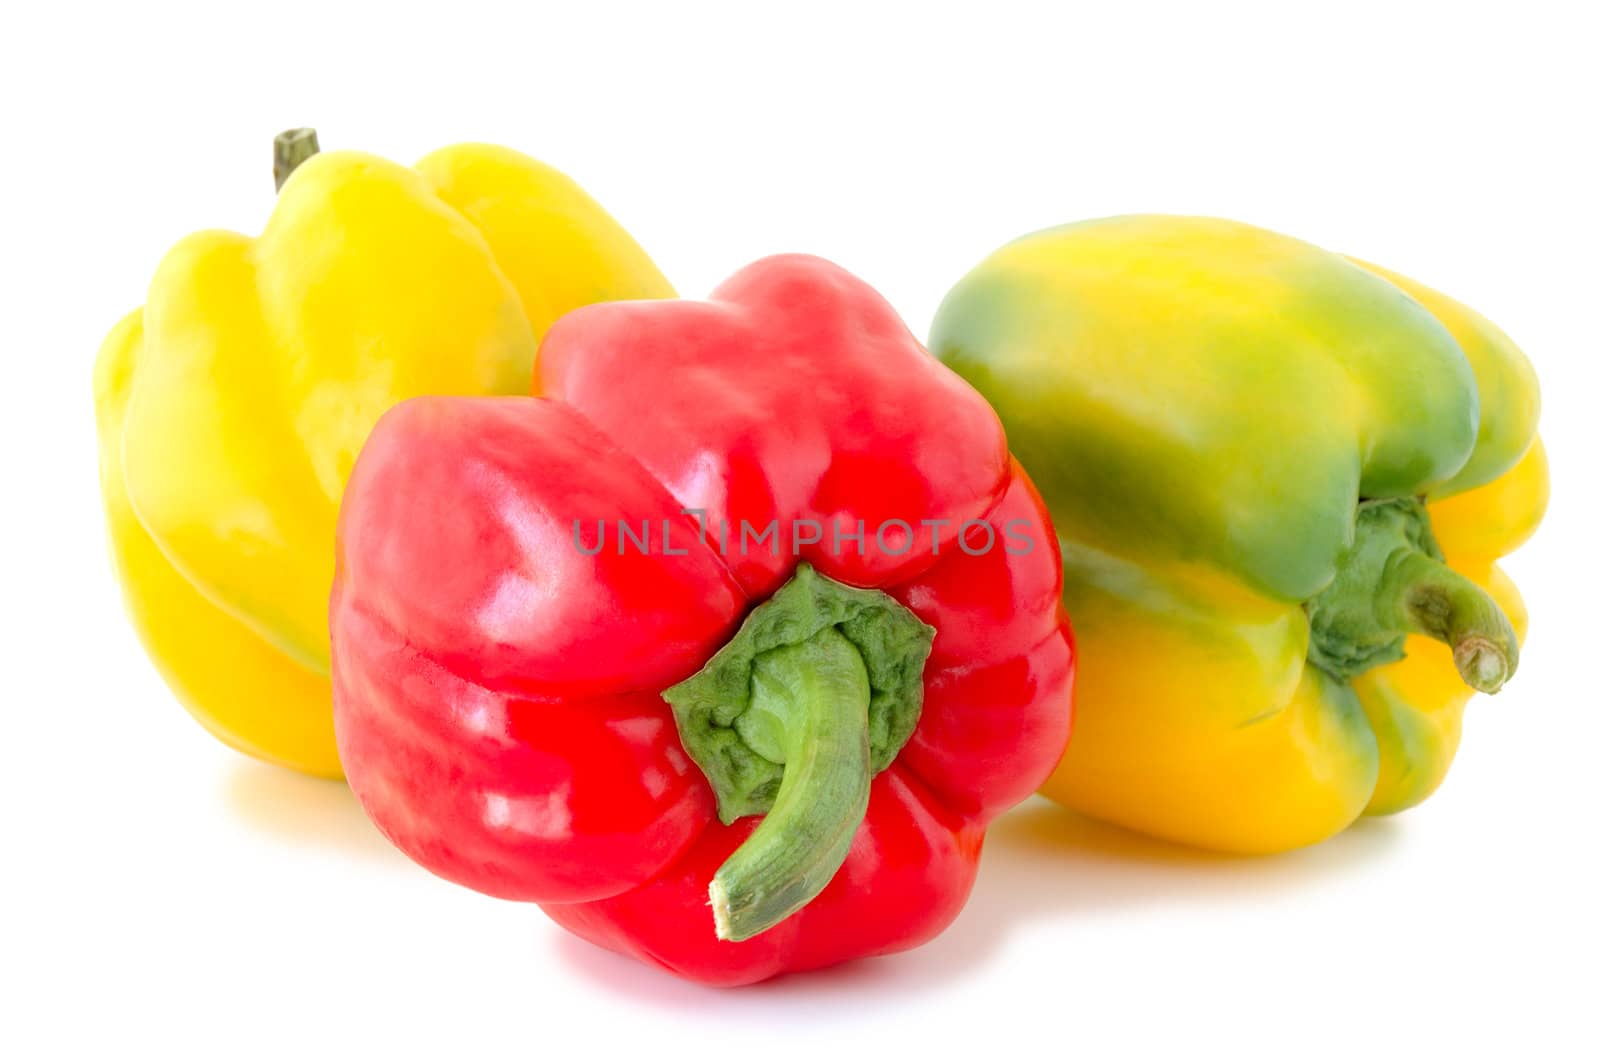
(166, 899)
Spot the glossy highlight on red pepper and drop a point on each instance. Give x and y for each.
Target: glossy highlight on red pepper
(498, 679)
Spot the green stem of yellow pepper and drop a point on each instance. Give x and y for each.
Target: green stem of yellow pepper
(1394, 580)
(1429, 598)
(289, 149)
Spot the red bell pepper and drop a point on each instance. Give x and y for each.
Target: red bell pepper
(752, 605)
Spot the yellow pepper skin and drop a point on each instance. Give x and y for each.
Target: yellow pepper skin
(1270, 468)
(230, 409)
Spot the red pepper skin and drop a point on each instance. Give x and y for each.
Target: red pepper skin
(497, 689)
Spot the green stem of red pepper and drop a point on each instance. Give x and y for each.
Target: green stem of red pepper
(817, 691)
(1394, 580)
(808, 712)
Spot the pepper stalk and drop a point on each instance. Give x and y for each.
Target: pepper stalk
(815, 694)
(1393, 580)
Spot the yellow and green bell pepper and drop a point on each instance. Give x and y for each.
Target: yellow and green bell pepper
(232, 406)
(1281, 479)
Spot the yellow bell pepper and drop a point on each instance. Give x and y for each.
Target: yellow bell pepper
(1281, 480)
(231, 407)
